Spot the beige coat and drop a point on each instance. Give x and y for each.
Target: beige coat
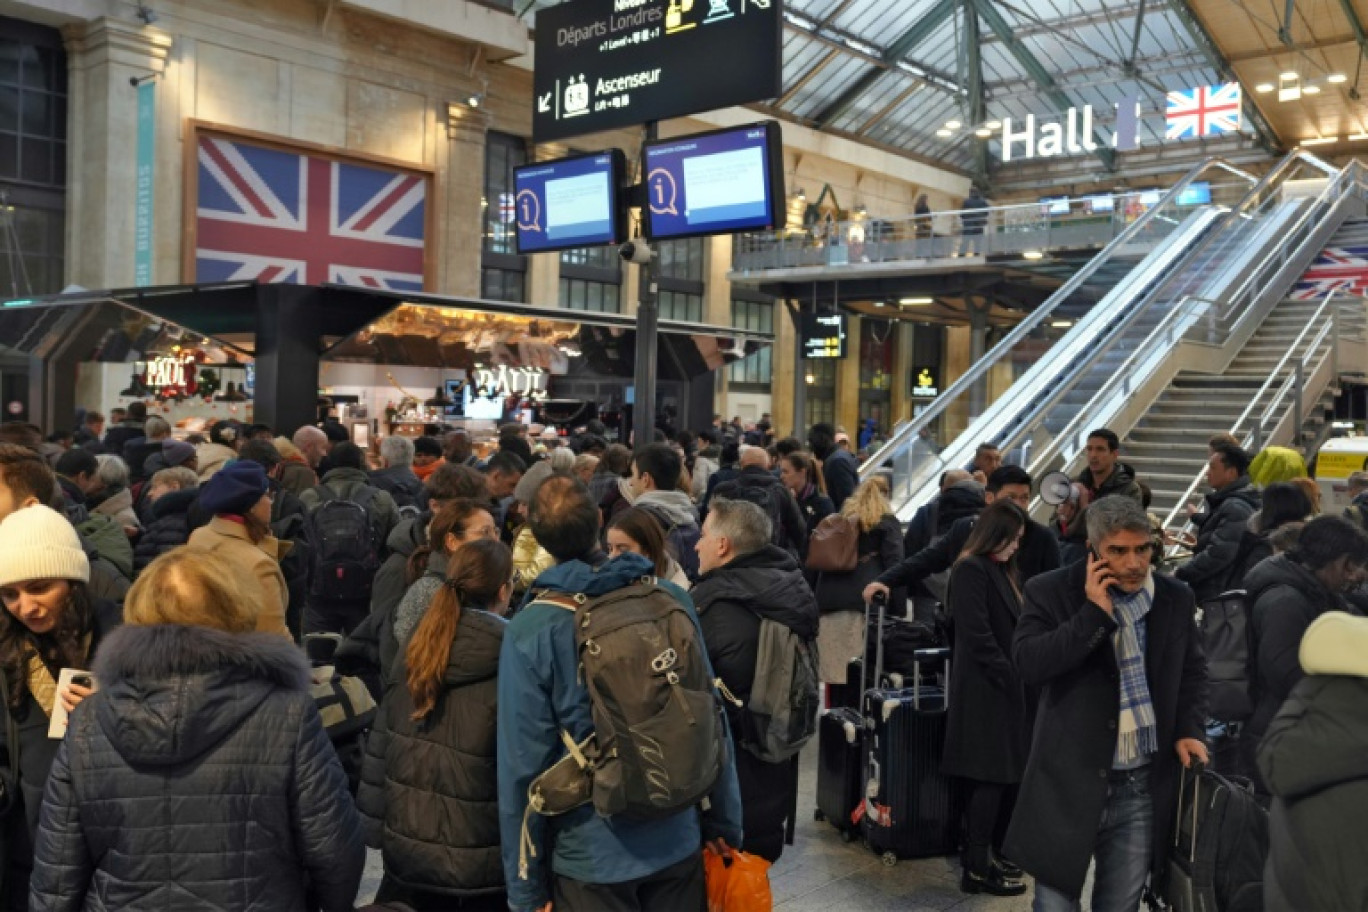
(210, 457)
(228, 541)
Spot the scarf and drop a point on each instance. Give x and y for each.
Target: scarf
(41, 684)
(1136, 736)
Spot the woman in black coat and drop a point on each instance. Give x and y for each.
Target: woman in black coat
(429, 783)
(800, 474)
(50, 622)
(199, 775)
(988, 728)
(168, 515)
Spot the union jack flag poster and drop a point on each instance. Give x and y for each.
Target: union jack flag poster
(270, 214)
(1343, 268)
(1203, 111)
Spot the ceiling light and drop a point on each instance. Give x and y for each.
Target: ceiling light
(1061, 324)
(953, 125)
(915, 302)
(1357, 137)
(1033, 255)
(1319, 141)
(1288, 75)
(1311, 90)
(983, 132)
(994, 125)
(880, 304)
(1336, 78)
(1264, 87)
(943, 133)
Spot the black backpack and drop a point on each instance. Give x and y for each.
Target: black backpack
(1220, 842)
(1227, 631)
(764, 497)
(343, 552)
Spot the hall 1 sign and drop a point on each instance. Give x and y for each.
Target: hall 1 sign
(1073, 135)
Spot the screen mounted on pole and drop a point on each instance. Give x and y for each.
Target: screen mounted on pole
(714, 183)
(607, 64)
(570, 202)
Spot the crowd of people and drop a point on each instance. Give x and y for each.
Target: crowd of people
(530, 748)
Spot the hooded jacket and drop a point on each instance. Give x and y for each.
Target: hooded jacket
(199, 776)
(210, 457)
(429, 791)
(400, 483)
(169, 528)
(753, 483)
(732, 600)
(1285, 597)
(932, 520)
(391, 580)
(539, 693)
(1315, 761)
(842, 473)
(118, 506)
(1216, 558)
(1120, 481)
(678, 519)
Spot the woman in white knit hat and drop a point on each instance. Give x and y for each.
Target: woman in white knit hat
(49, 623)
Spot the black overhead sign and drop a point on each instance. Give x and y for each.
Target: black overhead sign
(605, 64)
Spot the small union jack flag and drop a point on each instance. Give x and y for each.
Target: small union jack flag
(1203, 111)
(271, 215)
(1343, 268)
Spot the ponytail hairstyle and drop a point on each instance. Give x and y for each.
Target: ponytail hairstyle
(475, 574)
(451, 519)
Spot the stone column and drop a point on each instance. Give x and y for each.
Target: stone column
(901, 405)
(784, 367)
(460, 219)
(102, 126)
(717, 254)
(848, 381)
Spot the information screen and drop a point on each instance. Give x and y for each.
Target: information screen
(824, 335)
(607, 64)
(1099, 203)
(569, 202)
(1197, 193)
(715, 183)
(1055, 205)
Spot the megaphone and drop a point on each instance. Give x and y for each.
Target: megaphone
(1056, 488)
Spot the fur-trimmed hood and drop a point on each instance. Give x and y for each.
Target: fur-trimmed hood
(170, 692)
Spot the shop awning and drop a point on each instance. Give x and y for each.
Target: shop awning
(364, 325)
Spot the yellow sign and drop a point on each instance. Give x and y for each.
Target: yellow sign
(1333, 464)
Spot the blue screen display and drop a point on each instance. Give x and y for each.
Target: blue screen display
(1197, 193)
(567, 203)
(715, 183)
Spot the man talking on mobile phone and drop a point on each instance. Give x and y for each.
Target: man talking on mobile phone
(1113, 647)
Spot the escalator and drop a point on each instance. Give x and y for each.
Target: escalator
(1175, 287)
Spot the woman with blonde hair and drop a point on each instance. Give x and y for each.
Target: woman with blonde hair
(842, 634)
(200, 720)
(429, 782)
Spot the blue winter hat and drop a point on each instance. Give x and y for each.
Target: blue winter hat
(234, 489)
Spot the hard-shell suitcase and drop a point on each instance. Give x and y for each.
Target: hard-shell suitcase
(911, 809)
(847, 694)
(840, 769)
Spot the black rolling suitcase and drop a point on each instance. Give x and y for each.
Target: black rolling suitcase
(911, 809)
(840, 769)
(849, 693)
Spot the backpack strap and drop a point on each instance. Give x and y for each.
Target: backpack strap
(570, 603)
(327, 494)
(366, 497)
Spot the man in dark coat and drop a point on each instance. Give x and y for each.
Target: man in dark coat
(128, 429)
(1286, 593)
(1039, 551)
(960, 496)
(839, 467)
(1114, 648)
(745, 580)
(1105, 473)
(397, 475)
(757, 484)
(1216, 556)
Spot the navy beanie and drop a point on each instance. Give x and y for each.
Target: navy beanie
(234, 489)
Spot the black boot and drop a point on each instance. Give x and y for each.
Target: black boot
(994, 884)
(1008, 870)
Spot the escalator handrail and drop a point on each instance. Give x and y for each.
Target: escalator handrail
(980, 368)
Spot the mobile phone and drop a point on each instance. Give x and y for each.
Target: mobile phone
(1092, 552)
(82, 680)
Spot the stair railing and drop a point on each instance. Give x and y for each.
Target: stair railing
(1296, 364)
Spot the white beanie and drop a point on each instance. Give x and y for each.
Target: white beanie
(1336, 643)
(38, 543)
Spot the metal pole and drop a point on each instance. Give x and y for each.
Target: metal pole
(647, 334)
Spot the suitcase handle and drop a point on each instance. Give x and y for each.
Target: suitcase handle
(1196, 774)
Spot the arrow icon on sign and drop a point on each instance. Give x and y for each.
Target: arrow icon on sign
(544, 103)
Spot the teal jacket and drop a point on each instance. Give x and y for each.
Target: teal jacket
(539, 694)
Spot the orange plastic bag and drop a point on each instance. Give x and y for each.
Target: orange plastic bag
(737, 883)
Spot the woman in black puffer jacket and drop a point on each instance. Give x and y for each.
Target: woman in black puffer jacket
(429, 783)
(199, 775)
(172, 492)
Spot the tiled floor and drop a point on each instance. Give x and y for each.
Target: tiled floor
(820, 873)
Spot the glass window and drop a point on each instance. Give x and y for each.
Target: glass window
(753, 370)
(682, 259)
(820, 375)
(587, 294)
(33, 112)
(504, 270)
(681, 305)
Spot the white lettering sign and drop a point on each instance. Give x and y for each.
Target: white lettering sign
(523, 382)
(1073, 136)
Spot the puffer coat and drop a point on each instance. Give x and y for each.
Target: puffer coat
(198, 777)
(169, 528)
(429, 789)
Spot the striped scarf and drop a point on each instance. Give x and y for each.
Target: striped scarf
(1136, 736)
